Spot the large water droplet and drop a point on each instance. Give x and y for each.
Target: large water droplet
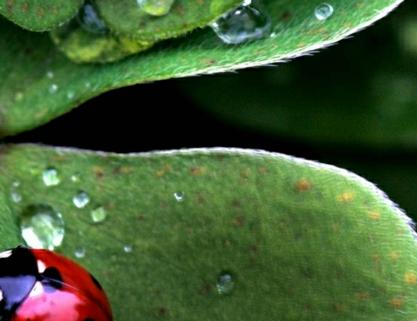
(50, 177)
(156, 7)
(246, 23)
(179, 196)
(323, 11)
(79, 253)
(81, 199)
(89, 19)
(225, 283)
(98, 215)
(42, 227)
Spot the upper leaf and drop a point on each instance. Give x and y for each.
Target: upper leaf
(29, 97)
(347, 95)
(39, 15)
(224, 234)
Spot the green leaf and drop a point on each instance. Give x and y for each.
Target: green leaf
(300, 240)
(347, 95)
(25, 94)
(39, 15)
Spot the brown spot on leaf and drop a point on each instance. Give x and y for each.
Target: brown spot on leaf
(303, 185)
(397, 302)
(198, 171)
(239, 221)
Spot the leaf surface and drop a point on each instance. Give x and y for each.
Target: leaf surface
(299, 240)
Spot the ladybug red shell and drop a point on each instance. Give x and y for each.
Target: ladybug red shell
(40, 285)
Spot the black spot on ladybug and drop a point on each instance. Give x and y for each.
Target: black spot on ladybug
(96, 282)
(51, 279)
(88, 319)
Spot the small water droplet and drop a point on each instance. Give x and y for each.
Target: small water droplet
(50, 74)
(89, 19)
(156, 7)
(53, 88)
(50, 177)
(323, 11)
(81, 199)
(98, 215)
(42, 227)
(225, 283)
(18, 96)
(79, 253)
(75, 178)
(246, 23)
(127, 248)
(179, 196)
(70, 95)
(15, 195)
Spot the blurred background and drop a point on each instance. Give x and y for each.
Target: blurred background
(353, 105)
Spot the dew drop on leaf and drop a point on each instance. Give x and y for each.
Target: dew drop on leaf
(75, 178)
(50, 177)
(89, 19)
(127, 248)
(323, 11)
(225, 283)
(81, 199)
(42, 227)
(98, 215)
(15, 195)
(53, 88)
(179, 196)
(246, 23)
(50, 74)
(156, 7)
(79, 253)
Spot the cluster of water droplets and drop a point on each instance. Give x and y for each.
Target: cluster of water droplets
(250, 22)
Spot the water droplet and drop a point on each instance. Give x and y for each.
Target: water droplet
(53, 88)
(246, 23)
(75, 178)
(81, 199)
(179, 196)
(323, 11)
(98, 215)
(156, 7)
(42, 227)
(50, 177)
(18, 96)
(89, 19)
(79, 253)
(127, 248)
(70, 95)
(50, 74)
(225, 283)
(15, 195)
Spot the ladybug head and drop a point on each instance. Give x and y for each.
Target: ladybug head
(18, 274)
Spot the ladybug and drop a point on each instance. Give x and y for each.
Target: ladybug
(40, 285)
